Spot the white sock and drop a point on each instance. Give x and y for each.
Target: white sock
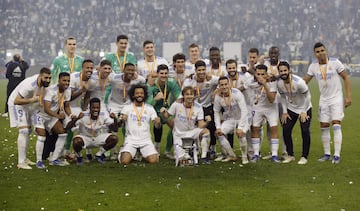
(204, 145)
(274, 146)
(325, 137)
(337, 139)
(225, 145)
(255, 142)
(23, 140)
(88, 151)
(157, 146)
(59, 146)
(249, 143)
(40, 147)
(243, 146)
(101, 151)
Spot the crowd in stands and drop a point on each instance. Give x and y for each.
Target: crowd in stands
(39, 27)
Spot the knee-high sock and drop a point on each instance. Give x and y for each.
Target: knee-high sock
(22, 142)
(337, 139)
(243, 146)
(249, 144)
(256, 145)
(325, 138)
(169, 141)
(204, 145)
(59, 146)
(274, 146)
(224, 143)
(69, 138)
(40, 147)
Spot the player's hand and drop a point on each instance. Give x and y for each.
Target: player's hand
(208, 118)
(135, 76)
(240, 133)
(84, 88)
(208, 77)
(218, 132)
(123, 117)
(284, 118)
(112, 116)
(303, 117)
(162, 110)
(81, 115)
(61, 116)
(347, 102)
(159, 96)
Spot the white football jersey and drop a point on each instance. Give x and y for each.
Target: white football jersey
(144, 68)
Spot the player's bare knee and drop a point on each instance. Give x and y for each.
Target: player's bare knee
(125, 158)
(78, 144)
(152, 158)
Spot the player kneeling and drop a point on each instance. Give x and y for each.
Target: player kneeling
(94, 132)
(137, 117)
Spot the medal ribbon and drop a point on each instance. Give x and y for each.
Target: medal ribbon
(151, 70)
(71, 62)
(323, 70)
(121, 64)
(139, 114)
(60, 99)
(189, 115)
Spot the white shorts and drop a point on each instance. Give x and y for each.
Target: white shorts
(229, 126)
(114, 108)
(146, 147)
(48, 123)
(20, 116)
(330, 112)
(90, 142)
(270, 114)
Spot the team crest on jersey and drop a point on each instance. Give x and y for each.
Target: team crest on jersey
(330, 68)
(207, 85)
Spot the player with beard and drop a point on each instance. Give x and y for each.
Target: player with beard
(92, 133)
(296, 103)
(137, 117)
(328, 72)
(241, 79)
(23, 102)
(188, 123)
(231, 103)
(55, 114)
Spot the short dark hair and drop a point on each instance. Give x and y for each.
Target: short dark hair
(254, 50)
(230, 61)
(178, 56)
(261, 67)
(284, 63)
(318, 45)
(128, 64)
(200, 63)
(122, 37)
(162, 67)
(87, 61)
(223, 78)
(45, 70)
(147, 42)
(63, 74)
(94, 100)
(214, 49)
(131, 92)
(105, 62)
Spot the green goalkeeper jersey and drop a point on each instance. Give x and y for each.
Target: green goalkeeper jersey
(118, 62)
(64, 64)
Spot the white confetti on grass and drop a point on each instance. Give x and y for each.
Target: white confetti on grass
(127, 194)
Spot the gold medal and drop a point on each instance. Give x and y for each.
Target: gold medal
(139, 123)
